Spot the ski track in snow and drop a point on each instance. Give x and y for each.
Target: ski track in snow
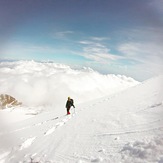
(59, 124)
(27, 143)
(130, 132)
(32, 125)
(150, 107)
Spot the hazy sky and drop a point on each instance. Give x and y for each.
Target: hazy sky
(110, 36)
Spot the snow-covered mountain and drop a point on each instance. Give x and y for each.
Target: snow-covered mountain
(123, 127)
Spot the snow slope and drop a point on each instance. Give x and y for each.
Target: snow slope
(121, 128)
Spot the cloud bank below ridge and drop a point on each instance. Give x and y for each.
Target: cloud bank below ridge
(49, 84)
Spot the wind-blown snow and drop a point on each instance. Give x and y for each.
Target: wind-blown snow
(122, 127)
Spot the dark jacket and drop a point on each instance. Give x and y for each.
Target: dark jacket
(69, 103)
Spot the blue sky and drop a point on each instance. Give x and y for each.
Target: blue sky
(110, 36)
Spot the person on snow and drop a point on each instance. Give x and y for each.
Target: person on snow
(69, 103)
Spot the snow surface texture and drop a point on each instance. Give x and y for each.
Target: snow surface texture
(123, 127)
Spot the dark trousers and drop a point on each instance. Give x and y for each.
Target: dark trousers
(68, 109)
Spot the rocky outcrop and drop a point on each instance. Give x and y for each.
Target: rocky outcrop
(7, 101)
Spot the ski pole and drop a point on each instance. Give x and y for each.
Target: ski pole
(74, 111)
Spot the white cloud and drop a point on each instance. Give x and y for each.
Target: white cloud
(142, 44)
(63, 34)
(36, 84)
(96, 50)
(99, 54)
(129, 49)
(148, 57)
(142, 52)
(86, 42)
(91, 44)
(99, 38)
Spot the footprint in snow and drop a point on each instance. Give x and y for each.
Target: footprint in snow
(27, 143)
(50, 131)
(60, 124)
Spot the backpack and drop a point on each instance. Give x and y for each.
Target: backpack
(72, 102)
